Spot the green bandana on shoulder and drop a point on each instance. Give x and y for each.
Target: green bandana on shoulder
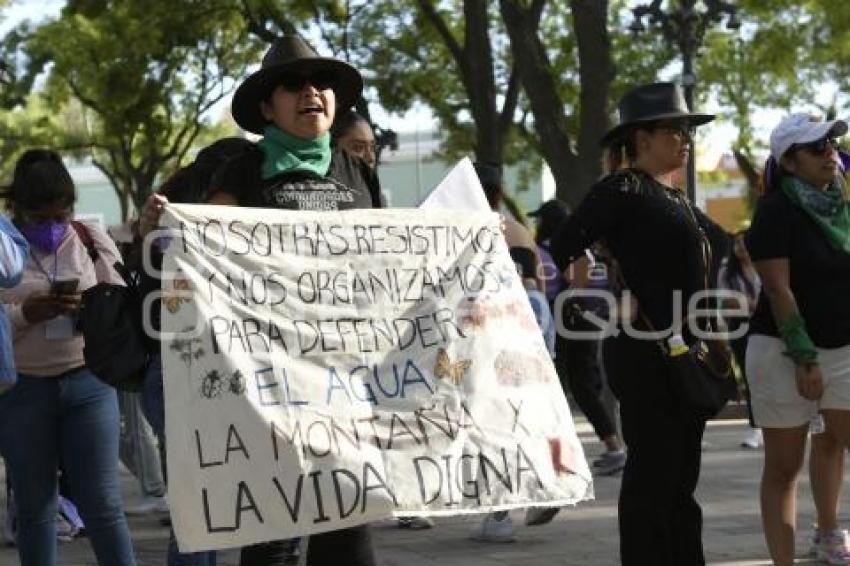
(284, 153)
(828, 208)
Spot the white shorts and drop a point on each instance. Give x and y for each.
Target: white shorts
(773, 385)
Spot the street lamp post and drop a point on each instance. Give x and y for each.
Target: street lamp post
(685, 28)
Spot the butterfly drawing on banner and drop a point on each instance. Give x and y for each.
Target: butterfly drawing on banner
(173, 302)
(448, 370)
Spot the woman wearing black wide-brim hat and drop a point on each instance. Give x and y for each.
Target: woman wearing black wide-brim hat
(291, 101)
(656, 238)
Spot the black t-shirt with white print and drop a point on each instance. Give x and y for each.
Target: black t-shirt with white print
(349, 184)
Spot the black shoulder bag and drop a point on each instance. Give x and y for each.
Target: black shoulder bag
(111, 323)
(703, 377)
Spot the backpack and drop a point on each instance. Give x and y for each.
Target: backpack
(111, 323)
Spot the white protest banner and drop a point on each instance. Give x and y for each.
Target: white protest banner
(326, 369)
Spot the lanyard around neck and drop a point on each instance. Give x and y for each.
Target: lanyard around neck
(41, 267)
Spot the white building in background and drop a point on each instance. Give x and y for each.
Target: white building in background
(95, 195)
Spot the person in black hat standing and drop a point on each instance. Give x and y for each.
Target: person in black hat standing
(291, 101)
(657, 242)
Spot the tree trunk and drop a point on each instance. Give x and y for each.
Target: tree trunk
(751, 174)
(474, 61)
(596, 72)
(574, 170)
(123, 194)
(478, 77)
(535, 73)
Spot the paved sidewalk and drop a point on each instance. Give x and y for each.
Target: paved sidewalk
(583, 536)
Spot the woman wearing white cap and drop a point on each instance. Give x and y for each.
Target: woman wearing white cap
(798, 357)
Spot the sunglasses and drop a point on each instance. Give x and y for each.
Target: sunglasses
(683, 130)
(321, 80)
(818, 147)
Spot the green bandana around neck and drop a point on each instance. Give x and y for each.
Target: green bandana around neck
(828, 208)
(285, 153)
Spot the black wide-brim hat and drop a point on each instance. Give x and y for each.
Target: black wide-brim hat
(291, 54)
(650, 103)
(552, 211)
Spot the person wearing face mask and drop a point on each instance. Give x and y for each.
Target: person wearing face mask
(291, 101)
(798, 354)
(59, 411)
(657, 239)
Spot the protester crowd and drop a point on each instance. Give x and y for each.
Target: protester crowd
(634, 238)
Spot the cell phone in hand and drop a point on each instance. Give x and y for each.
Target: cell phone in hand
(64, 286)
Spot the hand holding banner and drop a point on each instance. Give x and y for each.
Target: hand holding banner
(331, 369)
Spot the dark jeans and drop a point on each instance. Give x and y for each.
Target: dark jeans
(71, 418)
(352, 547)
(660, 521)
(578, 369)
(153, 404)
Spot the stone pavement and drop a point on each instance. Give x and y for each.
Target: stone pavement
(582, 536)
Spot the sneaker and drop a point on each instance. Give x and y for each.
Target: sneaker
(613, 463)
(68, 511)
(65, 530)
(814, 542)
(414, 523)
(10, 525)
(496, 527)
(607, 455)
(148, 505)
(833, 548)
(752, 439)
(292, 551)
(540, 515)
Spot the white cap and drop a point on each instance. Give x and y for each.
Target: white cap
(802, 128)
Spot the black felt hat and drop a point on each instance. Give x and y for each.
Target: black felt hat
(552, 212)
(650, 103)
(290, 54)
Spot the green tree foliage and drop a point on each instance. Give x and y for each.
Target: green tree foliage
(127, 82)
(130, 82)
(769, 63)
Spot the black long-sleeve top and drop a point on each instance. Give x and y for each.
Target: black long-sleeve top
(651, 233)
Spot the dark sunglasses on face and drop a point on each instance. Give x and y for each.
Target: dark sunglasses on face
(296, 83)
(818, 147)
(682, 130)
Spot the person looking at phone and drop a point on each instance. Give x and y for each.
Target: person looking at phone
(58, 410)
